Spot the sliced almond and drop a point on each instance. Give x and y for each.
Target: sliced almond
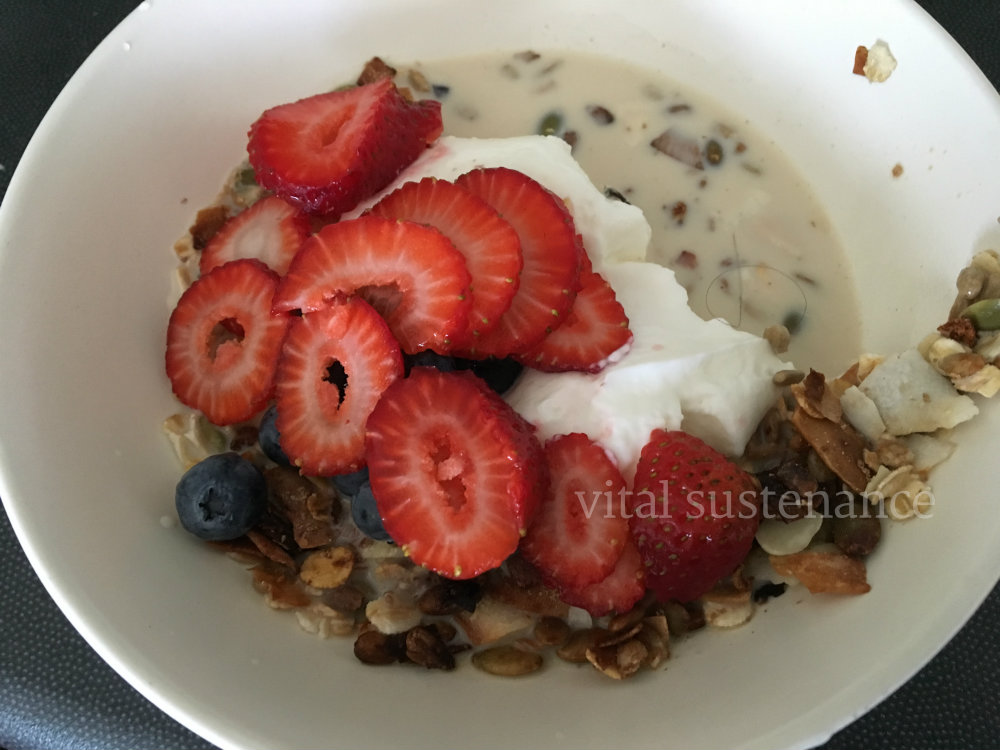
(824, 572)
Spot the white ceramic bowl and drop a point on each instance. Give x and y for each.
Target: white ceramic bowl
(144, 133)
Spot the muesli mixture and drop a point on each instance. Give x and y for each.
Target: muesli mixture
(354, 377)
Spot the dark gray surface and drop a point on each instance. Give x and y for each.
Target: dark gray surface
(55, 692)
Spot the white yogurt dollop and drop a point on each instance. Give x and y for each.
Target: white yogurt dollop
(681, 372)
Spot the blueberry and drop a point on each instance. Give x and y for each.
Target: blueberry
(365, 514)
(499, 374)
(269, 439)
(427, 358)
(221, 497)
(349, 484)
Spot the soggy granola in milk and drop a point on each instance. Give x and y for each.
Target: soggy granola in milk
(832, 456)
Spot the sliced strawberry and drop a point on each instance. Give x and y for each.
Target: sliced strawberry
(330, 151)
(271, 230)
(450, 476)
(595, 328)
(579, 532)
(693, 517)
(410, 273)
(334, 366)
(550, 276)
(619, 592)
(223, 342)
(490, 245)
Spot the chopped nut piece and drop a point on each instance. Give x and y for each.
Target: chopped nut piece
(418, 80)
(960, 330)
(375, 70)
(860, 58)
(686, 259)
(680, 147)
(600, 115)
(327, 568)
(207, 223)
(824, 572)
(879, 63)
(507, 661)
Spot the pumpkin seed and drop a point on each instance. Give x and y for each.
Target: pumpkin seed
(551, 124)
(984, 314)
(507, 661)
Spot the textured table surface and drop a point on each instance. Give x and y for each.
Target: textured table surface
(55, 692)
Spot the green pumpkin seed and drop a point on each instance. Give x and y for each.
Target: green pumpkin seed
(984, 314)
(551, 124)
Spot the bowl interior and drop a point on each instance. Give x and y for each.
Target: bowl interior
(144, 134)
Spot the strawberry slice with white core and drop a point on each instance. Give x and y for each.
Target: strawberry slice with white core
(490, 245)
(223, 342)
(594, 333)
(411, 273)
(619, 592)
(271, 231)
(328, 152)
(450, 476)
(579, 532)
(334, 366)
(550, 276)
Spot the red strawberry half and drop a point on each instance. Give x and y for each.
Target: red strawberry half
(330, 151)
(271, 231)
(579, 532)
(409, 272)
(619, 592)
(551, 273)
(334, 366)
(449, 472)
(223, 342)
(594, 329)
(490, 245)
(694, 515)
